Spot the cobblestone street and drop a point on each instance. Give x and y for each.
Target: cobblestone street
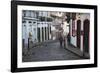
(49, 52)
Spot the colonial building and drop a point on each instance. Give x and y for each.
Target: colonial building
(79, 31)
(36, 26)
(57, 21)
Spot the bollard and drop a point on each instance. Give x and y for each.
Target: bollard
(28, 42)
(23, 43)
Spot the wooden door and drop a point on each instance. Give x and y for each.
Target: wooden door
(78, 33)
(86, 35)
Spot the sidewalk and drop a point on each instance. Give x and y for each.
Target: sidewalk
(76, 51)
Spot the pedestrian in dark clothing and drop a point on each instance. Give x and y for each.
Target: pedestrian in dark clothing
(61, 41)
(68, 38)
(60, 36)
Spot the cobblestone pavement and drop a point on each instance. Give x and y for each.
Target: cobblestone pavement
(49, 52)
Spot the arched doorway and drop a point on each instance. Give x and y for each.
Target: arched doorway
(78, 33)
(86, 25)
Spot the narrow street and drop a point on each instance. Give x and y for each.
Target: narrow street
(49, 52)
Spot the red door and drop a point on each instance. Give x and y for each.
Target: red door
(78, 33)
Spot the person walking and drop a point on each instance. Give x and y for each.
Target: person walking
(60, 36)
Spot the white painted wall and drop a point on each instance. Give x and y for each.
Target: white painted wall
(73, 39)
(81, 17)
(30, 15)
(33, 29)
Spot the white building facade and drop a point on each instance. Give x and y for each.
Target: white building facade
(79, 31)
(36, 25)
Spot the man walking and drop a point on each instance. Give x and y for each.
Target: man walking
(60, 36)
